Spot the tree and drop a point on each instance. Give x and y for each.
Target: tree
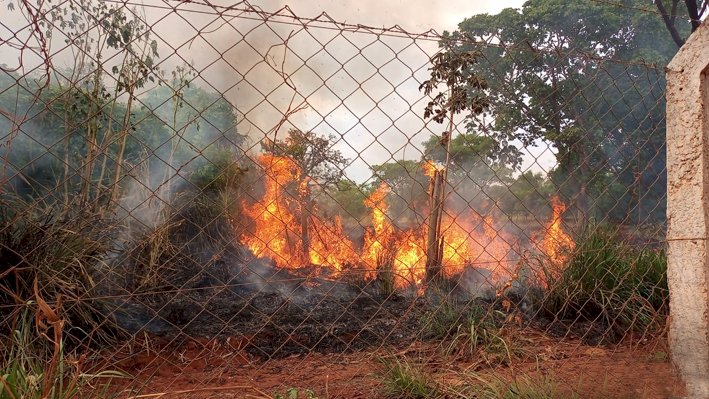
(314, 155)
(581, 76)
(407, 197)
(320, 164)
(677, 27)
(528, 194)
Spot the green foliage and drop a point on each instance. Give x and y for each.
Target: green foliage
(401, 379)
(218, 171)
(315, 155)
(471, 331)
(543, 81)
(610, 281)
(465, 90)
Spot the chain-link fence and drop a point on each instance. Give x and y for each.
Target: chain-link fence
(207, 201)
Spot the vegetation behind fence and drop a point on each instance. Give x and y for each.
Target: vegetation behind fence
(185, 179)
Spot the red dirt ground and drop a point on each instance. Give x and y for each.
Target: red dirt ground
(210, 369)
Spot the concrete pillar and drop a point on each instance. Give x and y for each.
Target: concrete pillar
(688, 211)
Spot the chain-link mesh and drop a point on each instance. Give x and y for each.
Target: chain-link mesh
(208, 201)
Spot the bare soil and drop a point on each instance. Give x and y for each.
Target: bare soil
(224, 369)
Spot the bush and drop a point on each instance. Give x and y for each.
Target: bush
(184, 246)
(60, 253)
(471, 331)
(610, 282)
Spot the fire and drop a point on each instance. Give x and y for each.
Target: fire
(375, 241)
(278, 233)
(274, 236)
(556, 243)
(287, 230)
(430, 168)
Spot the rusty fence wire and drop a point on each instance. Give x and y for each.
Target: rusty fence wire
(215, 201)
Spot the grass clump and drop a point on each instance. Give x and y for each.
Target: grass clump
(296, 393)
(524, 387)
(61, 253)
(471, 332)
(401, 379)
(179, 248)
(31, 369)
(611, 282)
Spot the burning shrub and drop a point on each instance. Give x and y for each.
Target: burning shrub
(610, 282)
(61, 252)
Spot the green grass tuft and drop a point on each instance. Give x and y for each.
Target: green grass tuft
(607, 280)
(28, 371)
(525, 387)
(401, 379)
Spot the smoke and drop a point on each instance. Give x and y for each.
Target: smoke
(279, 75)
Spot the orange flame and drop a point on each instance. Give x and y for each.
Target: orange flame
(277, 232)
(556, 243)
(430, 168)
(274, 236)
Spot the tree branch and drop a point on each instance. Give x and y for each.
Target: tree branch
(668, 23)
(693, 13)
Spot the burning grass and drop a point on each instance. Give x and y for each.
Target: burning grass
(286, 229)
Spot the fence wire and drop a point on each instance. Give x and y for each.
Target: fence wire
(208, 201)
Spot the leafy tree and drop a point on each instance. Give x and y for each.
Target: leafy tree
(575, 74)
(314, 155)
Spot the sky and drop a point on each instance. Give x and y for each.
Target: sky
(412, 15)
(360, 87)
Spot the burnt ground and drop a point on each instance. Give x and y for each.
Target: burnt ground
(280, 324)
(277, 313)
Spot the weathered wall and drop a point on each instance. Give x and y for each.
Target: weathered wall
(688, 210)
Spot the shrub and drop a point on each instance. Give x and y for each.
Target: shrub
(61, 253)
(180, 247)
(609, 281)
(471, 331)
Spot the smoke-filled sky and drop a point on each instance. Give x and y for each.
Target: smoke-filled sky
(412, 15)
(357, 85)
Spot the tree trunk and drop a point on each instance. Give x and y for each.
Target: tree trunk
(305, 211)
(121, 150)
(91, 134)
(434, 241)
